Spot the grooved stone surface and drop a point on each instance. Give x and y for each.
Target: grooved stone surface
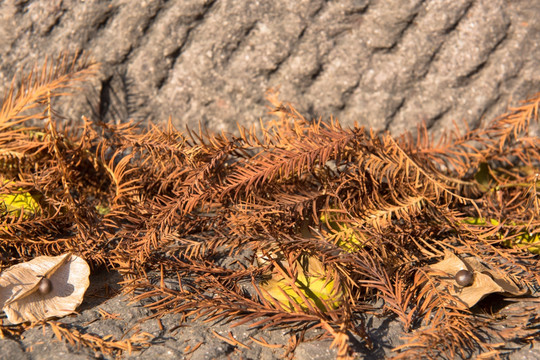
(387, 64)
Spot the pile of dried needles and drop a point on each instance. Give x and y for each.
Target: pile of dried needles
(294, 224)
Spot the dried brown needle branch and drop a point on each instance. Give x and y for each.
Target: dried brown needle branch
(53, 78)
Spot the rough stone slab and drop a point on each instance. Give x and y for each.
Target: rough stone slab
(386, 64)
(175, 338)
(11, 349)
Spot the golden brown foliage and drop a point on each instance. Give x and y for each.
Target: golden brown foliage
(198, 207)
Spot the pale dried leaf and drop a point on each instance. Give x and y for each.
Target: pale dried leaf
(485, 280)
(19, 295)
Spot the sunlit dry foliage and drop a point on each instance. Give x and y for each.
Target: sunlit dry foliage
(200, 223)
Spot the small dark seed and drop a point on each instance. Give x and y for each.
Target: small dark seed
(464, 277)
(45, 286)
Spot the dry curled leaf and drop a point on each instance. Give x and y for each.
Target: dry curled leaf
(485, 280)
(45, 287)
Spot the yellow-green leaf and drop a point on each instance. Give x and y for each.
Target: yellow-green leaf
(525, 240)
(522, 239)
(13, 204)
(353, 239)
(103, 210)
(310, 284)
(480, 221)
(483, 177)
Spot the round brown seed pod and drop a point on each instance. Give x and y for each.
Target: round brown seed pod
(45, 286)
(464, 277)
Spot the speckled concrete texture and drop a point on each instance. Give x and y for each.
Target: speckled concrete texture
(386, 64)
